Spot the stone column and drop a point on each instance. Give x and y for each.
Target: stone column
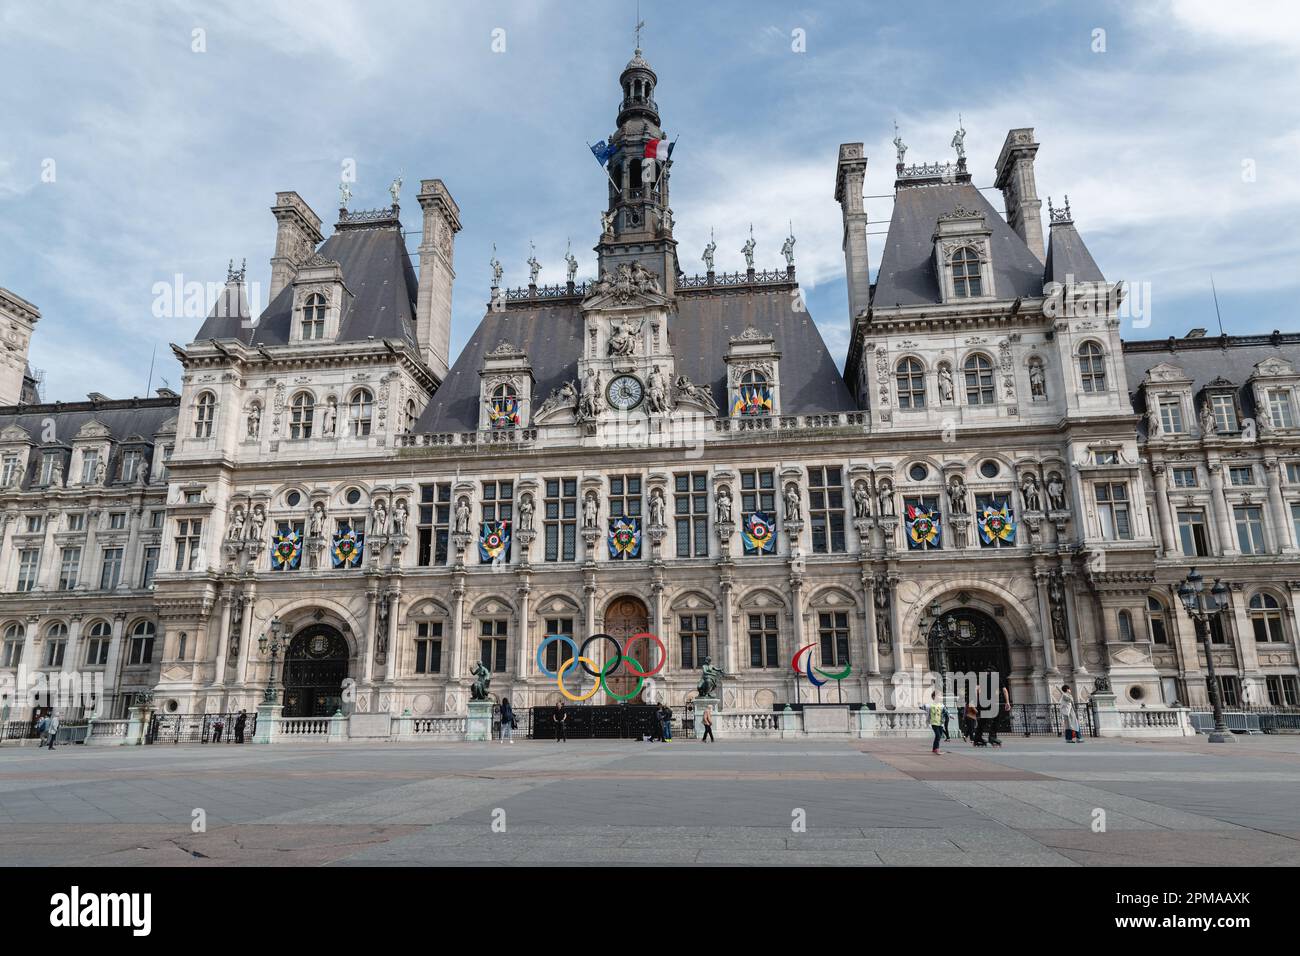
(457, 637)
(74, 641)
(130, 555)
(246, 633)
(796, 618)
(1074, 625)
(394, 596)
(524, 591)
(724, 626)
(657, 622)
(47, 574)
(372, 623)
(88, 578)
(872, 648)
(1045, 630)
(1222, 519)
(1168, 539)
(223, 635)
(113, 669)
(1282, 533)
(895, 631)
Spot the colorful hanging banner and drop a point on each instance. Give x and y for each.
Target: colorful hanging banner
(286, 549)
(752, 400)
(923, 528)
(759, 533)
(504, 412)
(347, 548)
(493, 541)
(996, 524)
(625, 537)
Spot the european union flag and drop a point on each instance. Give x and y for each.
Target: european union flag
(602, 153)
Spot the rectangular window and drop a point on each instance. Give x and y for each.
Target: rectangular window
(1185, 478)
(826, 510)
(757, 493)
(1293, 473)
(166, 457)
(763, 641)
(69, 568)
(54, 651)
(188, 533)
(995, 504)
(149, 565)
(193, 497)
(693, 629)
(1241, 475)
(29, 565)
(156, 519)
(13, 653)
(131, 462)
(1113, 511)
(1225, 413)
(560, 521)
(77, 522)
(557, 627)
(284, 527)
(1231, 687)
(1283, 691)
(1267, 628)
(1192, 533)
(8, 469)
(921, 524)
(691, 509)
(117, 521)
(833, 631)
(89, 463)
(1250, 528)
(624, 501)
(1217, 634)
(492, 644)
(1280, 410)
(47, 468)
(141, 650)
(35, 524)
(110, 574)
(1171, 416)
(434, 525)
(97, 651)
(1105, 456)
(428, 647)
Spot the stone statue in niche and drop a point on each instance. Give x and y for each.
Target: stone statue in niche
(886, 495)
(1056, 492)
(526, 512)
(956, 496)
(622, 341)
(657, 508)
(861, 500)
(379, 518)
(793, 503)
(945, 382)
(724, 505)
(316, 524)
(1029, 493)
(590, 510)
(258, 519)
(462, 516)
(254, 420)
(1208, 425)
(235, 532)
(329, 421)
(399, 518)
(591, 403)
(657, 391)
(1037, 380)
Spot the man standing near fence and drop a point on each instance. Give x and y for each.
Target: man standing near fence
(51, 729)
(240, 723)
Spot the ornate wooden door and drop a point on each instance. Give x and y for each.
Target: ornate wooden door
(625, 617)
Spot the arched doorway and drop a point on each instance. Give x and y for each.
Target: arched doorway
(315, 667)
(624, 618)
(967, 641)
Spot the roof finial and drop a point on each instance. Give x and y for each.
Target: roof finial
(899, 146)
(640, 25)
(959, 141)
(345, 194)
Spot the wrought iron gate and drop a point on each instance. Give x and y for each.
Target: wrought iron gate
(196, 728)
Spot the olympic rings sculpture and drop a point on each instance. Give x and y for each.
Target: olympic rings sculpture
(579, 657)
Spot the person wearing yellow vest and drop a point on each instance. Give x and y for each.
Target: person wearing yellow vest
(938, 714)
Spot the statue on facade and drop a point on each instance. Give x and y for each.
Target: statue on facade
(1154, 425)
(399, 518)
(1056, 491)
(607, 223)
(329, 421)
(235, 531)
(724, 505)
(885, 492)
(395, 188)
(497, 271)
(1208, 425)
(793, 503)
(945, 382)
(379, 518)
(710, 679)
(571, 263)
(956, 496)
(254, 420)
(881, 597)
(621, 341)
(462, 516)
(256, 521)
(787, 250)
(56, 473)
(526, 512)
(657, 391)
(1029, 493)
(316, 523)
(747, 250)
(590, 403)
(861, 500)
(959, 141)
(482, 678)
(345, 195)
(709, 250)
(701, 395)
(534, 267)
(1037, 380)
(643, 280)
(590, 510)
(900, 148)
(101, 472)
(563, 396)
(657, 508)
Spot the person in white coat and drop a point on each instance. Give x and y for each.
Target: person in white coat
(1070, 716)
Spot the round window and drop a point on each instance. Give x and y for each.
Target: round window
(1135, 692)
(353, 496)
(919, 472)
(990, 468)
(292, 499)
(173, 706)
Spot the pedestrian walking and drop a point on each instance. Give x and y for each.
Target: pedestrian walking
(240, 723)
(1070, 716)
(666, 721)
(937, 713)
(1003, 706)
(41, 726)
(218, 726)
(708, 725)
(51, 729)
(561, 718)
(507, 721)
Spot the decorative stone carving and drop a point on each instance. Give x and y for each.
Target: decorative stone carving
(1029, 493)
(525, 522)
(885, 494)
(957, 496)
(235, 527)
(946, 394)
(723, 504)
(657, 508)
(861, 500)
(1056, 492)
(1037, 380)
(562, 396)
(658, 398)
(254, 421)
(461, 525)
(793, 503)
(590, 510)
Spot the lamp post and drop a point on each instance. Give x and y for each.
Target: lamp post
(272, 645)
(1203, 608)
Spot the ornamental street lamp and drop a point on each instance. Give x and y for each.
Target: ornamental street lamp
(272, 645)
(1204, 608)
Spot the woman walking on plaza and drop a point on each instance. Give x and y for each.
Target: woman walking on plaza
(1070, 715)
(507, 721)
(708, 725)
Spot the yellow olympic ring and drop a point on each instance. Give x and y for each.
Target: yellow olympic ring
(560, 679)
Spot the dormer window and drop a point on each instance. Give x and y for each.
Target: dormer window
(313, 317)
(754, 395)
(8, 471)
(360, 409)
(1280, 410)
(89, 465)
(979, 380)
(47, 467)
(1092, 367)
(1171, 416)
(911, 384)
(966, 273)
(1225, 413)
(205, 410)
(503, 410)
(131, 465)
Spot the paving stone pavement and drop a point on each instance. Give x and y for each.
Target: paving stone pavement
(1035, 802)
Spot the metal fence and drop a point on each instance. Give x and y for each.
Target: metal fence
(1044, 720)
(197, 728)
(604, 721)
(18, 730)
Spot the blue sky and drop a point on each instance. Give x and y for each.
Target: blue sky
(1177, 145)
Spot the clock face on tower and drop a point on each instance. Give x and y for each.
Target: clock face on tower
(625, 392)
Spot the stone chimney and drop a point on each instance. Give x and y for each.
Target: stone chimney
(297, 233)
(433, 305)
(849, 177)
(1015, 177)
(18, 319)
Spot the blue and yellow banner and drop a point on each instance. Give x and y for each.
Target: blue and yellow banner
(759, 533)
(286, 549)
(625, 537)
(494, 541)
(995, 524)
(346, 549)
(923, 527)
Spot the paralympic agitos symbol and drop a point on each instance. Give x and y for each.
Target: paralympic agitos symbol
(579, 657)
(808, 667)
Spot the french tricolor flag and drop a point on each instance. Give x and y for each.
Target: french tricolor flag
(657, 149)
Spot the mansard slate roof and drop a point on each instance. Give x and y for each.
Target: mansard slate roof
(907, 275)
(699, 334)
(1068, 257)
(1205, 359)
(229, 318)
(380, 301)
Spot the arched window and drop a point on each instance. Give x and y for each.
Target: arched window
(410, 416)
(1266, 617)
(503, 410)
(56, 643)
(966, 273)
(1092, 367)
(142, 637)
(205, 411)
(911, 384)
(979, 380)
(99, 637)
(1157, 622)
(1125, 626)
(754, 396)
(15, 634)
(301, 415)
(360, 408)
(313, 317)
